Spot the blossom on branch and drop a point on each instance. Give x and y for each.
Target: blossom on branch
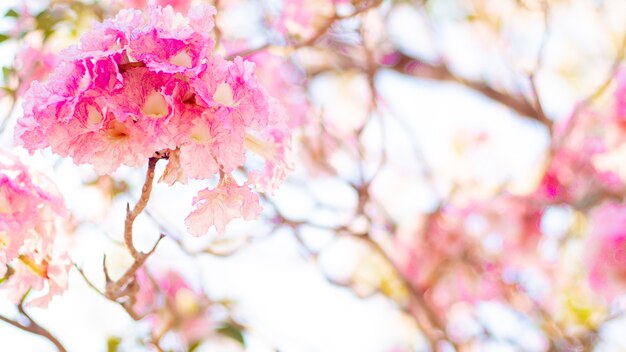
(171, 304)
(145, 84)
(32, 255)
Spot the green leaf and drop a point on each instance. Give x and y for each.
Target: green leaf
(194, 346)
(4, 37)
(12, 13)
(113, 344)
(6, 71)
(230, 330)
(8, 90)
(48, 19)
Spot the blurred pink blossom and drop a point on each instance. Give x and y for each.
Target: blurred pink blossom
(31, 213)
(606, 250)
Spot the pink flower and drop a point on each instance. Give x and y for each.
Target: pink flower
(214, 143)
(572, 173)
(217, 207)
(173, 43)
(29, 224)
(171, 303)
(231, 89)
(302, 17)
(31, 275)
(33, 64)
(109, 37)
(178, 5)
(174, 172)
(461, 252)
(146, 297)
(141, 84)
(283, 81)
(606, 256)
(273, 145)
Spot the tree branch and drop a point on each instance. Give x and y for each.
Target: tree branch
(34, 328)
(124, 286)
(440, 72)
(138, 208)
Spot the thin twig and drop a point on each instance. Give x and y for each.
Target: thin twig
(34, 328)
(415, 67)
(315, 37)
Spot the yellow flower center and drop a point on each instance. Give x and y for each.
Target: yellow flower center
(186, 302)
(39, 270)
(200, 133)
(262, 148)
(224, 95)
(181, 59)
(155, 106)
(94, 116)
(117, 131)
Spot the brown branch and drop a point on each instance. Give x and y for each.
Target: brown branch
(125, 285)
(139, 207)
(34, 328)
(121, 287)
(440, 72)
(416, 295)
(537, 100)
(315, 37)
(322, 30)
(418, 309)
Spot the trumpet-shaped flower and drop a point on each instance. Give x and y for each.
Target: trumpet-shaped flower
(145, 84)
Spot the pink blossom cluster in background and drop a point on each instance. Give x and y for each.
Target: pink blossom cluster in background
(590, 142)
(32, 250)
(606, 256)
(171, 304)
(586, 167)
(178, 5)
(146, 83)
(478, 249)
(33, 64)
(462, 252)
(301, 18)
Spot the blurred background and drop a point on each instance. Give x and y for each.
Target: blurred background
(453, 164)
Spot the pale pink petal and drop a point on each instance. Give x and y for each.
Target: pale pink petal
(217, 207)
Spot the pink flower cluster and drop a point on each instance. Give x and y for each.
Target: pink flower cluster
(572, 175)
(462, 252)
(302, 18)
(170, 302)
(33, 64)
(31, 253)
(178, 5)
(143, 83)
(606, 255)
(285, 81)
